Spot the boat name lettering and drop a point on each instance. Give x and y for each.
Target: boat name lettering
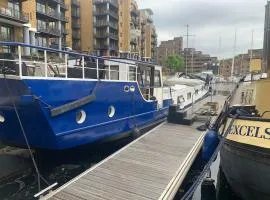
(250, 131)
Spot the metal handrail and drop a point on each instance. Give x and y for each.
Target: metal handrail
(20, 60)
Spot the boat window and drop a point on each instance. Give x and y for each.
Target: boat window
(114, 72)
(132, 73)
(157, 79)
(147, 77)
(189, 96)
(180, 99)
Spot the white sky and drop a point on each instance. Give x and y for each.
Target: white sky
(209, 20)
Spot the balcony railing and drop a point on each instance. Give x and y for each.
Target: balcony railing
(14, 14)
(76, 35)
(49, 30)
(75, 3)
(52, 14)
(106, 12)
(101, 46)
(5, 38)
(76, 25)
(112, 2)
(114, 47)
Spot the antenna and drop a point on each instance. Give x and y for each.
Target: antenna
(187, 47)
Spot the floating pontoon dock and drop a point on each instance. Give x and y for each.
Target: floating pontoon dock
(151, 167)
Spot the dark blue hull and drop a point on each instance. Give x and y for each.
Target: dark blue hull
(34, 99)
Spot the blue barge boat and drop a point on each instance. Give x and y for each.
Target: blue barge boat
(65, 99)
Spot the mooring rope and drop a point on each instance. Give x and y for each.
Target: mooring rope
(39, 176)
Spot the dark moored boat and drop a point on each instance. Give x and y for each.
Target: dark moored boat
(245, 155)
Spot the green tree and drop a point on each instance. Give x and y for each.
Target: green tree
(175, 63)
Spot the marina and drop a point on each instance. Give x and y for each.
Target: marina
(116, 100)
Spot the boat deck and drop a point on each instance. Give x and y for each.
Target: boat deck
(151, 167)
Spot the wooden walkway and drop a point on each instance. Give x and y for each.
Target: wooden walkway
(151, 167)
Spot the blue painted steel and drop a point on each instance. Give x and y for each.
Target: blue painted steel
(211, 141)
(35, 97)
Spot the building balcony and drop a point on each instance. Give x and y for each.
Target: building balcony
(114, 47)
(5, 38)
(101, 46)
(13, 15)
(112, 2)
(75, 3)
(101, 12)
(52, 14)
(106, 23)
(49, 31)
(75, 15)
(106, 35)
(76, 25)
(76, 35)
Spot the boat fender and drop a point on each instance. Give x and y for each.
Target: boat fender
(72, 105)
(211, 141)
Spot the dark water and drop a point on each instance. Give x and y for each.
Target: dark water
(211, 188)
(57, 167)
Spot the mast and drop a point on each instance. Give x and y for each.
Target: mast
(234, 52)
(187, 50)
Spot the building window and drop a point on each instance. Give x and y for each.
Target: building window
(132, 73)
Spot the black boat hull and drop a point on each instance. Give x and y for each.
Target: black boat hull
(247, 169)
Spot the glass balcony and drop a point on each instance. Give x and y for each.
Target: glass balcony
(112, 2)
(49, 30)
(13, 14)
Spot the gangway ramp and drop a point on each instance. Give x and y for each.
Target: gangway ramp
(151, 167)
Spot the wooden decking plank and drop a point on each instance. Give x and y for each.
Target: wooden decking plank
(131, 177)
(108, 191)
(138, 183)
(136, 188)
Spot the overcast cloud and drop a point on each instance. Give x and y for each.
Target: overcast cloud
(209, 20)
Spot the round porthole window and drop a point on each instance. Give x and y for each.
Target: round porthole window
(80, 116)
(111, 111)
(126, 88)
(132, 88)
(2, 119)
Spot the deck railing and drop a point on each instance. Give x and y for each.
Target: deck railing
(48, 63)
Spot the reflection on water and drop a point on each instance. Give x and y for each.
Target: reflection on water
(214, 188)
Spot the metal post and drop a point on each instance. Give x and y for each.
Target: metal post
(66, 65)
(192, 111)
(83, 72)
(187, 51)
(46, 64)
(127, 72)
(97, 70)
(136, 73)
(20, 60)
(109, 70)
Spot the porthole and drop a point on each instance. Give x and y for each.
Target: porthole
(2, 119)
(80, 117)
(111, 111)
(126, 88)
(132, 88)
